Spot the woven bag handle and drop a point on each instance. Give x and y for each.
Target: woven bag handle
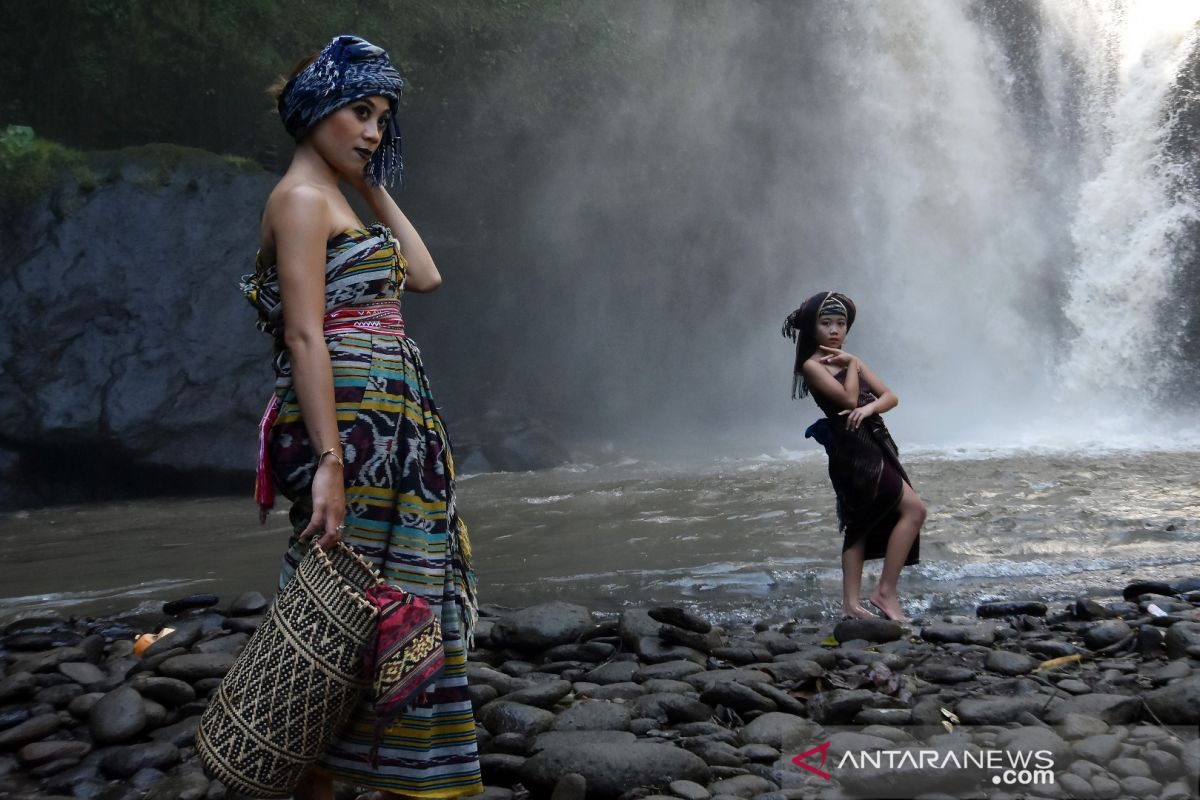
(367, 567)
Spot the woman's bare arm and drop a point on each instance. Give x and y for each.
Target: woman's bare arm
(299, 220)
(820, 380)
(423, 275)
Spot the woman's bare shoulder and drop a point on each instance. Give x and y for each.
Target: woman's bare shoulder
(293, 204)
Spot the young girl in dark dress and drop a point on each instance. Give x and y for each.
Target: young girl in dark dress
(879, 514)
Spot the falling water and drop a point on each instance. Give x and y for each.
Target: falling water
(1134, 200)
(1018, 206)
(990, 181)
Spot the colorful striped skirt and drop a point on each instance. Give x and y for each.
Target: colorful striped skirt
(400, 516)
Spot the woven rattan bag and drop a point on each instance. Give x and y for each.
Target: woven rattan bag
(297, 680)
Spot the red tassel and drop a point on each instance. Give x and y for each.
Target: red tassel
(264, 486)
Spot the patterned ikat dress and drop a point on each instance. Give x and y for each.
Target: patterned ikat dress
(400, 502)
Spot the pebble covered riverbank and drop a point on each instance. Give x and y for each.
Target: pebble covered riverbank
(657, 702)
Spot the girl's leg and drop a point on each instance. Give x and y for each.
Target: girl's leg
(852, 569)
(912, 517)
(314, 787)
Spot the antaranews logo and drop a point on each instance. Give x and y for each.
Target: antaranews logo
(1008, 767)
(800, 760)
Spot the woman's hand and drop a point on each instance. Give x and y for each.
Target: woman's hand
(855, 417)
(329, 505)
(837, 358)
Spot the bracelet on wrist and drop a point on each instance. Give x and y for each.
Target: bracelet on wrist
(332, 453)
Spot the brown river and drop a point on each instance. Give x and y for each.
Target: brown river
(743, 538)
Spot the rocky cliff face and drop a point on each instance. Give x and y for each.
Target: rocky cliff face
(131, 364)
(128, 363)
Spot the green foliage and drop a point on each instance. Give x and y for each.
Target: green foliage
(30, 167)
(113, 73)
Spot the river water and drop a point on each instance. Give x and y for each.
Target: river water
(734, 539)
(997, 186)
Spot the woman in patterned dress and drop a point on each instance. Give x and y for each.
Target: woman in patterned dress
(352, 436)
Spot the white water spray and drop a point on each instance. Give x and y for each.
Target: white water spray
(1130, 208)
(991, 182)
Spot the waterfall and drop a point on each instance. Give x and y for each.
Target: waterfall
(992, 182)
(1019, 208)
(1134, 201)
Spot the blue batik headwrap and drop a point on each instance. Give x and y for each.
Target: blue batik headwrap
(348, 68)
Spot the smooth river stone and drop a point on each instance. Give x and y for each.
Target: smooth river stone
(619, 691)
(591, 652)
(839, 706)
(31, 730)
(783, 700)
(230, 643)
(189, 603)
(1115, 709)
(501, 716)
(613, 672)
(1138, 588)
(947, 633)
(596, 715)
(1176, 703)
(653, 650)
(611, 770)
(242, 624)
(1004, 662)
(785, 732)
(635, 624)
(1107, 633)
(1182, 637)
(180, 734)
(714, 753)
(670, 670)
(501, 768)
(44, 662)
(704, 642)
(778, 643)
(124, 762)
(17, 686)
(945, 673)
(985, 710)
(170, 692)
(117, 717)
(59, 696)
(83, 673)
(185, 783)
(703, 680)
(871, 630)
(739, 697)
(743, 786)
(32, 755)
(184, 635)
(1013, 608)
(680, 619)
(541, 695)
(247, 604)
(192, 668)
(544, 625)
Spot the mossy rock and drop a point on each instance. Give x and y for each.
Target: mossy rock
(31, 168)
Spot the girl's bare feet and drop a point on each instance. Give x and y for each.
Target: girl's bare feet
(857, 612)
(889, 607)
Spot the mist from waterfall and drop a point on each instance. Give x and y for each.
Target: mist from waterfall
(989, 182)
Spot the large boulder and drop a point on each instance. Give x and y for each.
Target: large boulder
(1177, 703)
(543, 626)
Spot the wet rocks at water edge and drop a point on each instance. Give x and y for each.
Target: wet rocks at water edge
(662, 702)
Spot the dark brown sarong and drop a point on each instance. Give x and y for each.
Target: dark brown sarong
(867, 477)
